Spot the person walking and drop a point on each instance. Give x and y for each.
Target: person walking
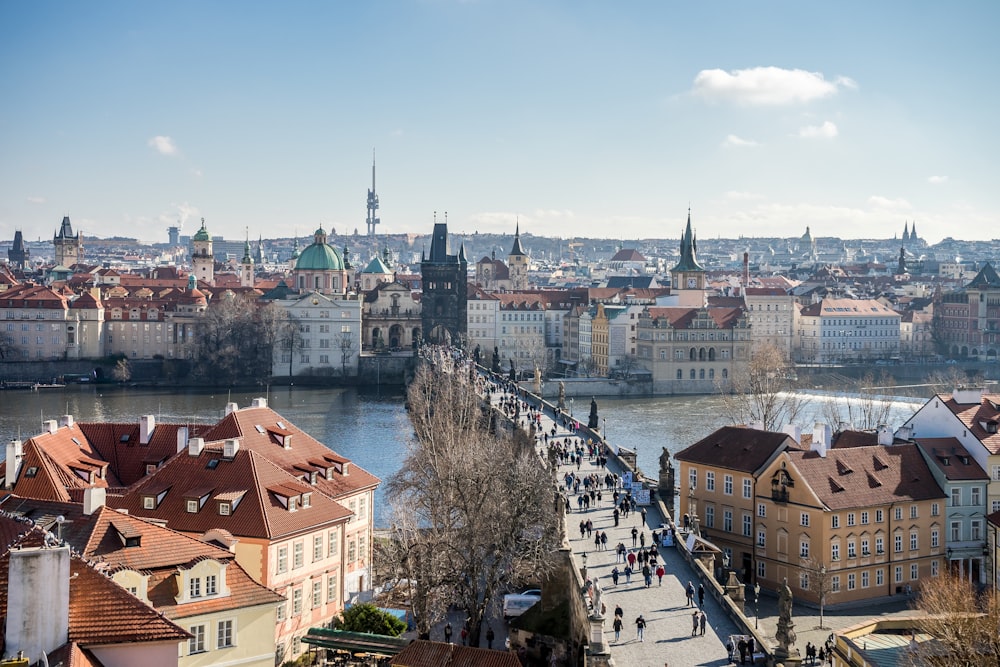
(742, 648)
(631, 558)
(618, 611)
(628, 574)
(614, 575)
(647, 576)
(701, 623)
(616, 514)
(659, 574)
(701, 595)
(617, 625)
(447, 633)
(694, 622)
(689, 591)
(635, 535)
(604, 540)
(640, 626)
(642, 540)
(620, 556)
(643, 514)
(490, 636)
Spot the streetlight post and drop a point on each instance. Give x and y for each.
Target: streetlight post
(584, 559)
(570, 407)
(822, 593)
(605, 429)
(756, 606)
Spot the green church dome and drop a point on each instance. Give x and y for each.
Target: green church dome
(201, 234)
(319, 257)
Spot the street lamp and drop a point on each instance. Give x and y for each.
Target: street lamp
(570, 407)
(756, 605)
(605, 429)
(584, 559)
(822, 593)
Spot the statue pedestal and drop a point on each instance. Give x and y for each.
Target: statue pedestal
(790, 658)
(596, 636)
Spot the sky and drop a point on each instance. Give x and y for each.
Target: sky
(571, 118)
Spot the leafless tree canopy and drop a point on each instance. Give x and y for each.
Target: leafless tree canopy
(472, 510)
(962, 624)
(866, 409)
(235, 340)
(764, 391)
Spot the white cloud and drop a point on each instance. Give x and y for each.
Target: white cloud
(732, 141)
(884, 202)
(163, 145)
(765, 86)
(36, 200)
(937, 180)
(825, 131)
(735, 195)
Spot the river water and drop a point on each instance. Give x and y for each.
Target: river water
(372, 429)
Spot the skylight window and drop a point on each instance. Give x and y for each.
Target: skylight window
(124, 437)
(260, 429)
(213, 464)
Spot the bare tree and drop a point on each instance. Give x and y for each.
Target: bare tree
(345, 343)
(123, 370)
(8, 350)
(961, 622)
(946, 381)
(235, 340)
(471, 509)
(868, 408)
(820, 581)
(764, 391)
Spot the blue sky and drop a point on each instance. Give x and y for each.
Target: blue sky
(577, 118)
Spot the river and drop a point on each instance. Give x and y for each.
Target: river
(372, 429)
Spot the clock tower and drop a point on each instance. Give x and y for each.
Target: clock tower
(687, 278)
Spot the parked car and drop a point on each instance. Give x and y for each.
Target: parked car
(515, 604)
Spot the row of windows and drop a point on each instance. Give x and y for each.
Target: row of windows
(852, 578)
(225, 636)
(315, 597)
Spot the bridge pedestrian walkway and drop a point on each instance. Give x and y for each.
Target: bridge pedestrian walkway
(668, 639)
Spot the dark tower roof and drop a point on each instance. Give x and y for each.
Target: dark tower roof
(689, 250)
(517, 250)
(66, 229)
(18, 253)
(987, 278)
(440, 247)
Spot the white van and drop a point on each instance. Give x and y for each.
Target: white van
(515, 604)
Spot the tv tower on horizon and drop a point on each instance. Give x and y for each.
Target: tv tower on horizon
(372, 203)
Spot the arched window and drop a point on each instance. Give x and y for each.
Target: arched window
(711, 354)
(694, 354)
(725, 373)
(680, 374)
(701, 374)
(692, 374)
(711, 373)
(701, 354)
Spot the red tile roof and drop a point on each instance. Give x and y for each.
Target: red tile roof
(952, 459)
(736, 448)
(422, 653)
(979, 418)
(867, 476)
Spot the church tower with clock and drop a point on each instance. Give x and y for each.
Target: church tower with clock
(687, 278)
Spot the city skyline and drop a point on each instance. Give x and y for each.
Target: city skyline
(571, 119)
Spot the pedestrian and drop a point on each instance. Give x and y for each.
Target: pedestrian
(583, 529)
(647, 575)
(628, 574)
(701, 623)
(617, 625)
(750, 648)
(742, 648)
(642, 540)
(465, 635)
(620, 555)
(604, 540)
(616, 515)
(447, 633)
(490, 636)
(659, 574)
(643, 513)
(618, 611)
(689, 591)
(822, 654)
(635, 535)
(597, 541)
(694, 623)
(590, 527)
(631, 558)
(810, 650)
(614, 575)
(701, 595)
(640, 625)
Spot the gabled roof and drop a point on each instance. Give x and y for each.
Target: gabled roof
(867, 476)
(978, 418)
(987, 278)
(424, 653)
(304, 449)
(52, 462)
(736, 448)
(952, 459)
(628, 255)
(260, 513)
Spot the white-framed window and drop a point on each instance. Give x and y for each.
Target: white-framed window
(880, 577)
(282, 559)
(727, 483)
(898, 574)
(850, 518)
(835, 521)
(879, 516)
(747, 488)
(898, 514)
(197, 642)
(852, 550)
(331, 589)
(898, 542)
(865, 579)
(297, 554)
(913, 540)
(761, 510)
(194, 587)
(317, 596)
(976, 496)
(935, 538)
(693, 478)
(879, 545)
(804, 548)
(332, 546)
(761, 537)
(192, 506)
(914, 571)
(727, 521)
(761, 569)
(282, 610)
(835, 583)
(211, 585)
(865, 551)
(934, 568)
(804, 519)
(297, 601)
(224, 637)
(913, 512)
(317, 548)
(710, 516)
(864, 518)
(747, 525)
(935, 509)
(976, 528)
(852, 581)
(709, 480)
(835, 551)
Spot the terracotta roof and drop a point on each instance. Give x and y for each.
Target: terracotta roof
(304, 448)
(46, 471)
(628, 255)
(952, 459)
(260, 513)
(422, 653)
(977, 417)
(736, 448)
(72, 654)
(867, 476)
(851, 438)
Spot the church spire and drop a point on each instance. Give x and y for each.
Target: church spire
(689, 250)
(517, 250)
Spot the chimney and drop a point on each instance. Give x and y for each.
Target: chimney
(345, 468)
(146, 425)
(757, 425)
(94, 498)
(967, 395)
(195, 445)
(905, 433)
(794, 431)
(746, 271)
(182, 438)
(51, 425)
(821, 438)
(15, 454)
(37, 601)
(885, 436)
(67, 420)
(259, 403)
(231, 408)
(230, 448)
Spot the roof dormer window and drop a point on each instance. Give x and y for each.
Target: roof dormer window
(292, 504)
(312, 477)
(306, 500)
(225, 509)
(329, 473)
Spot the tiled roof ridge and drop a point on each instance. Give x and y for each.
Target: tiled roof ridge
(109, 515)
